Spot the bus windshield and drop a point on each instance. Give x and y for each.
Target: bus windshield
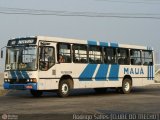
(21, 58)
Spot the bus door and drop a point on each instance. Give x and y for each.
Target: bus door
(47, 70)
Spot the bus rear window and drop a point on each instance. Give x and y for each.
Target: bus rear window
(147, 57)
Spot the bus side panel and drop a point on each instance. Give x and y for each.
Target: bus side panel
(47, 79)
(141, 75)
(47, 84)
(96, 75)
(91, 75)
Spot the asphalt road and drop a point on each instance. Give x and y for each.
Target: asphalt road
(86, 101)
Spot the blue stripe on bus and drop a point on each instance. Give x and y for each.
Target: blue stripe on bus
(19, 74)
(114, 44)
(105, 44)
(149, 72)
(152, 73)
(24, 73)
(114, 72)
(92, 42)
(88, 72)
(17, 86)
(13, 74)
(102, 72)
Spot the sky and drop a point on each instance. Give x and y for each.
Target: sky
(138, 31)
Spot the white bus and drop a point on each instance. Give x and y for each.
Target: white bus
(43, 63)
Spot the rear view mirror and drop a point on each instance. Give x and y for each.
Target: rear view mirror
(1, 53)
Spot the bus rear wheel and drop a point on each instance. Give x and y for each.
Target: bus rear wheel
(64, 88)
(126, 86)
(36, 93)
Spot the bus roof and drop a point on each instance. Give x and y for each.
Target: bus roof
(90, 42)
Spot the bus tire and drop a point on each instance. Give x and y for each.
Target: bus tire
(126, 86)
(100, 90)
(36, 93)
(64, 88)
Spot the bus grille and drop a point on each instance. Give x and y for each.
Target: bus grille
(16, 81)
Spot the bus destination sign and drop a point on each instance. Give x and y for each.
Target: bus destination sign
(21, 42)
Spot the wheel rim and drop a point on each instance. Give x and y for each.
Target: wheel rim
(126, 86)
(64, 88)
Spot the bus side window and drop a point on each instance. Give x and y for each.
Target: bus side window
(123, 56)
(64, 52)
(95, 54)
(135, 57)
(79, 53)
(110, 55)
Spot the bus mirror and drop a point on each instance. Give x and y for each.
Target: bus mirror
(1, 53)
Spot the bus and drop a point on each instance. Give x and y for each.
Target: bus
(42, 63)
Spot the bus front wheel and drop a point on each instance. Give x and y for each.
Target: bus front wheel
(64, 88)
(126, 86)
(36, 93)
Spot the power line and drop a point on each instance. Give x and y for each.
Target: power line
(17, 10)
(133, 2)
(20, 11)
(79, 15)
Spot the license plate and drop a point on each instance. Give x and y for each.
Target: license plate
(17, 87)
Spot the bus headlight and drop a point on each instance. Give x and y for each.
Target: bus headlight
(5, 80)
(27, 80)
(32, 80)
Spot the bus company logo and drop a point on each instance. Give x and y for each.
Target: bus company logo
(4, 117)
(135, 71)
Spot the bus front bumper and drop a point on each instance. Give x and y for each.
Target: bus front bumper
(28, 86)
